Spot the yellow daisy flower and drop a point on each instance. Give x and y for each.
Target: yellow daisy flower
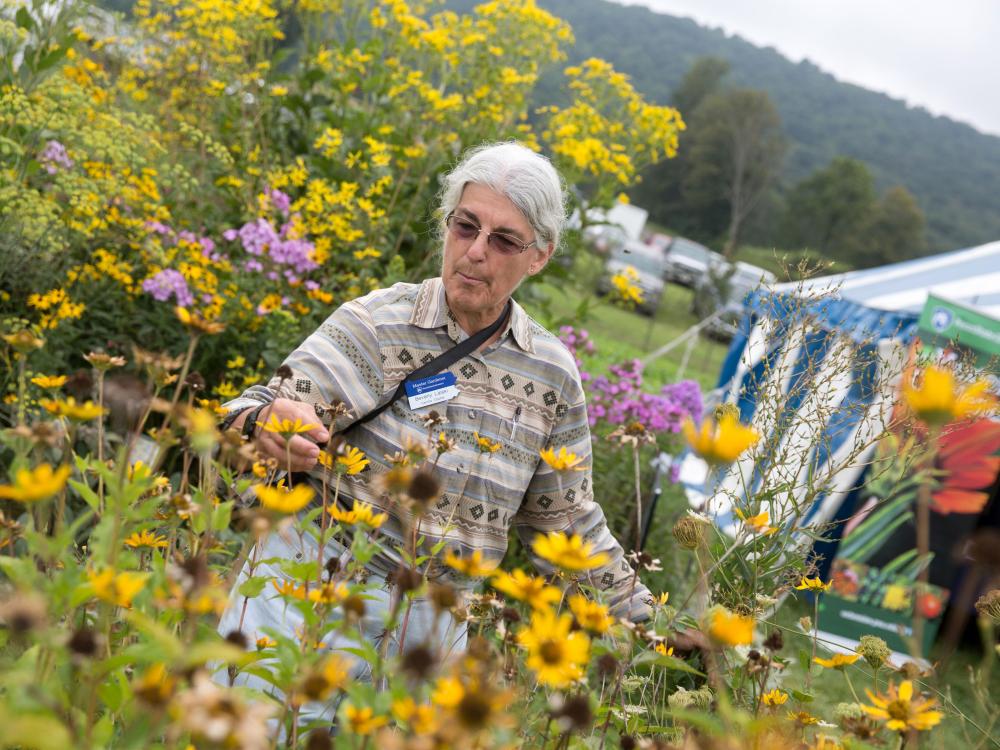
(359, 514)
(719, 443)
(729, 628)
(33, 485)
(531, 590)
(837, 661)
(146, 538)
(590, 615)
(568, 552)
(473, 566)
(557, 656)
(485, 444)
(900, 711)
(563, 460)
(939, 400)
(284, 500)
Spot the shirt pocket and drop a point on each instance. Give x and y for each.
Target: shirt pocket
(513, 465)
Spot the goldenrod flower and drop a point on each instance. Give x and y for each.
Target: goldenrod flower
(938, 400)
(354, 462)
(363, 721)
(49, 381)
(473, 566)
(568, 552)
(531, 590)
(563, 460)
(625, 284)
(813, 584)
(774, 698)
(837, 661)
(729, 628)
(117, 588)
(284, 500)
(758, 523)
(590, 615)
(359, 514)
(556, 655)
(286, 427)
(485, 444)
(900, 712)
(719, 443)
(146, 538)
(70, 409)
(33, 485)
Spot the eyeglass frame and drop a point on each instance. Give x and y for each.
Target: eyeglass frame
(489, 235)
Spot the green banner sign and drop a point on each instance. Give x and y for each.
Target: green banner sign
(943, 323)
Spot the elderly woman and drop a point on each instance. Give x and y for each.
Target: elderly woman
(515, 394)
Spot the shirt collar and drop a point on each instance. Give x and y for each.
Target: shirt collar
(431, 311)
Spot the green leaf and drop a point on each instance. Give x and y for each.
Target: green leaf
(221, 514)
(253, 586)
(800, 696)
(23, 19)
(36, 731)
(84, 491)
(51, 59)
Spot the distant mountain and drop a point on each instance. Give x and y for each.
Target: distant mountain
(951, 168)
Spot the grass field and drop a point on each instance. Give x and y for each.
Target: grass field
(621, 334)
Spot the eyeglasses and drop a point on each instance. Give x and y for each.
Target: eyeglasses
(466, 230)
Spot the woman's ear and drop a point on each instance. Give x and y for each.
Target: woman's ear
(541, 259)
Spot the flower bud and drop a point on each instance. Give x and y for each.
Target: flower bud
(844, 711)
(726, 410)
(874, 649)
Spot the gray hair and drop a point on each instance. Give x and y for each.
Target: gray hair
(525, 178)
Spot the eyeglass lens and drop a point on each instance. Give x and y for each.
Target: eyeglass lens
(466, 230)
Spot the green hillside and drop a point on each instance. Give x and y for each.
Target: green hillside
(952, 169)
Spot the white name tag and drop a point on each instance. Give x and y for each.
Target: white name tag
(432, 390)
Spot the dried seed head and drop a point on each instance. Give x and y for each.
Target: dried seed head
(284, 372)
(319, 739)
(689, 532)
(23, 613)
(237, 638)
(424, 488)
(195, 381)
(775, 641)
(574, 715)
(354, 606)
(83, 643)
(988, 606)
(607, 665)
(419, 662)
(407, 579)
(442, 596)
(332, 566)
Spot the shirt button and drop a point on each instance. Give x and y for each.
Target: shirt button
(472, 413)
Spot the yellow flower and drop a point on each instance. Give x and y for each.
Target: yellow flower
(284, 500)
(485, 444)
(720, 443)
(802, 717)
(896, 597)
(775, 698)
(332, 674)
(729, 628)
(900, 712)
(938, 400)
(563, 460)
(329, 593)
(155, 686)
(662, 650)
(24, 341)
(70, 409)
(146, 538)
(837, 661)
(556, 655)
(286, 427)
(568, 553)
(259, 470)
(49, 381)
(422, 718)
(448, 692)
(363, 721)
(290, 588)
(33, 485)
(590, 615)
(534, 591)
(662, 599)
(758, 523)
(196, 322)
(624, 282)
(236, 362)
(360, 513)
(117, 588)
(813, 584)
(352, 463)
(473, 566)
(265, 642)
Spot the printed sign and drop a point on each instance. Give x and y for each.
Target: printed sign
(431, 390)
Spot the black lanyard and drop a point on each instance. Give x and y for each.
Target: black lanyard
(442, 361)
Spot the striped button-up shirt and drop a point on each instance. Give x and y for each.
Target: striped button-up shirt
(523, 392)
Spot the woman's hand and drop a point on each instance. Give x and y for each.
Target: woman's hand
(302, 451)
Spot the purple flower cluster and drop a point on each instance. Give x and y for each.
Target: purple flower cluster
(617, 398)
(259, 238)
(167, 283)
(54, 156)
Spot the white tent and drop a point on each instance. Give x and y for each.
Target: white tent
(822, 354)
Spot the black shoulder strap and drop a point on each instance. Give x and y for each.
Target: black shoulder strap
(442, 361)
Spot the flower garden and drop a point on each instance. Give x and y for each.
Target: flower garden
(185, 195)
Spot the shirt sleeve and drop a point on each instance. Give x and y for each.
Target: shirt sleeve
(564, 501)
(340, 361)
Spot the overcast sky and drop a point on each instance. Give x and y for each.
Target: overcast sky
(944, 57)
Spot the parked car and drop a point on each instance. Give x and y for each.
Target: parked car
(649, 264)
(688, 262)
(735, 283)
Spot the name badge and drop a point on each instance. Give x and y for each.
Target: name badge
(432, 390)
